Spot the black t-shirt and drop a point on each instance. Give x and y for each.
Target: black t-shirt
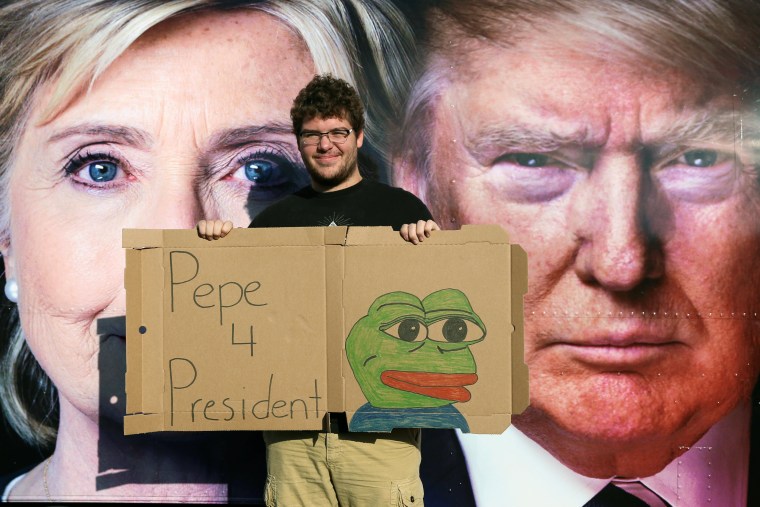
(367, 204)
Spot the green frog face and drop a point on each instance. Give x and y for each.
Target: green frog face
(410, 353)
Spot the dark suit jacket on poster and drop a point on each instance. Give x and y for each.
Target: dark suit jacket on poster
(447, 483)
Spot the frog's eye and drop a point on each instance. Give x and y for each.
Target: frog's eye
(409, 330)
(455, 330)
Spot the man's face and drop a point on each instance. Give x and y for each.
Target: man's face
(640, 215)
(331, 165)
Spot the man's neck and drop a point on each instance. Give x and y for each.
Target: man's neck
(352, 180)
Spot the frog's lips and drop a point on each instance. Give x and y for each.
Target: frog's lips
(445, 386)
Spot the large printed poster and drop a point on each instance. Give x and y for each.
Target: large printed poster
(617, 142)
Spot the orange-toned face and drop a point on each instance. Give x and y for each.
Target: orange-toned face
(641, 218)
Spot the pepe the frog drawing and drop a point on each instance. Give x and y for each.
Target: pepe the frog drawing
(412, 360)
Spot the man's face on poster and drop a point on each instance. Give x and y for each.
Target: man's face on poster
(639, 208)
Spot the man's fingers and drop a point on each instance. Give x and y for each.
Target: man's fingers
(404, 231)
(201, 228)
(213, 229)
(410, 233)
(420, 230)
(217, 230)
(416, 233)
(430, 225)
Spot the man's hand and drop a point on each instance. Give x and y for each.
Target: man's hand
(416, 233)
(213, 229)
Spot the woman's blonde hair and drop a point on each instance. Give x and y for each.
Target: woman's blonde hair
(72, 42)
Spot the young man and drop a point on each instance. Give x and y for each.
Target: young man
(335, 466)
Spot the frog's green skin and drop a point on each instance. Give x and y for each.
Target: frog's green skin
(404, 343)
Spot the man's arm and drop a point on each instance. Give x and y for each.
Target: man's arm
(417, 232)
(213, 229)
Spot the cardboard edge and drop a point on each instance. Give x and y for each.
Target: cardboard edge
(142, 238)
(519, 287)
(335, 332)
(239, 237)
(138, 422)
(482, 233)
(493, 424)
(134, 371)
(336, 235)
(144, 349)
(135, 424)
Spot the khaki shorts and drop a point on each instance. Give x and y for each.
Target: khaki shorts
(347, 469)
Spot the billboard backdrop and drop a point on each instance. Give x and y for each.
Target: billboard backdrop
(618, 144)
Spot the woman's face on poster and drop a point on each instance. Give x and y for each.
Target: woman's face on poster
(191, 122)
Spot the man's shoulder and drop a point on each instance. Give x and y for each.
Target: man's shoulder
(391, 194)
(393, 206)
(384, 188)
(274, 213)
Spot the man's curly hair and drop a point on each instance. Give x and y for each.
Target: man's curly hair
(327, 97)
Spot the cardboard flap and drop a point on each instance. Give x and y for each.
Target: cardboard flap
(142, 238)
(490, 233)
(335, 235)
(520, 389)
(334, 268)
(486, 233)
(144, 321)
(237, 238)
(451, 367)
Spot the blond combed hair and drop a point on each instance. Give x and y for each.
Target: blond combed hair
(70, 43)
(716, 42)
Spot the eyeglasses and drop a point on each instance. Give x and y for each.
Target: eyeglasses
(336, 136)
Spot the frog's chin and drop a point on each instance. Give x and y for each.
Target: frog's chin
(444, 386)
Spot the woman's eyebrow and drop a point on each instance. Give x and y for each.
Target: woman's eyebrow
(221, 143)
(238, 136)
(126, 135)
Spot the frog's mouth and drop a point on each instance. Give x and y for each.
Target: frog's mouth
(444, 386)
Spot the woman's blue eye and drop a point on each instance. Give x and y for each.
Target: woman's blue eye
(102, 171)
(259, 171)
(95, 169)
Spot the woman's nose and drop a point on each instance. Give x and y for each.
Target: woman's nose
(175, 205)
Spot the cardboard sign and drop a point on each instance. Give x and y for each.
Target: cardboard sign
(274, 328)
